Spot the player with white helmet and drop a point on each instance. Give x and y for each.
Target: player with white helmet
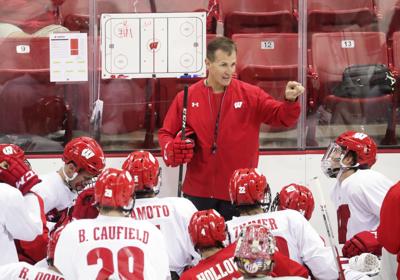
(20, 209)
(295, 237)
(112, 246)
(255, 254)
(296, 197)
(358, 192)
(83, 161)
(207, 231)
(170, 214)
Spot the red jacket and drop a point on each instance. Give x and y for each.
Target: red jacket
(244, 107)
(389, 227)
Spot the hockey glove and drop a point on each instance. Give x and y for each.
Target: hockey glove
(15, 172)
(178, 151)
(362, 242)
(84, 206)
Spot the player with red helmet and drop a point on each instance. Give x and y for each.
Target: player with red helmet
(295, 237)
(170, 214)
(259, 192)
(358, 192)
(296, 197)
(208, 231)
(83, 161)
(15, 169)
(21, 209)
(112, 246)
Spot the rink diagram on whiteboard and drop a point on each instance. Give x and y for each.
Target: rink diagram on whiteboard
(148, 45)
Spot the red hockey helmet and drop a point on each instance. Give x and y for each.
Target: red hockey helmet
(363, 145)
(255, 249)
(144, 169)
(297, 197)
(248, 186)
(86, 154)
(115, 188)
(207, 228)
(12, 150)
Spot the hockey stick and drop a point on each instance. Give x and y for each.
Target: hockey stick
(328, 227)
(183, 135)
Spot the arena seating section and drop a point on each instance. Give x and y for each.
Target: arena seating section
(266, 34)
(29, 104)
(268, 60)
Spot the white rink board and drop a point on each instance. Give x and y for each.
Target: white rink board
(146, 45)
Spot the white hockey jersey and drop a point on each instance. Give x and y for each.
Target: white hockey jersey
(25, 271)
(111, 248)
(361, 196)
(55, 193)
(295, 238)
(171, 215)
(20, 218)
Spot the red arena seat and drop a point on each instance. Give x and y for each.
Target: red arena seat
(255, 16)
(267, 60)
(172, 6)
(25, 83)
(388, 16)
(339, 15)
(331, 53)
(76, 13)
(396, 51)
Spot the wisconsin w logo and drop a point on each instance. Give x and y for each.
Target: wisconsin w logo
(238, 104)
(87, 153)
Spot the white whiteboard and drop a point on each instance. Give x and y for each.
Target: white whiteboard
(145, 45)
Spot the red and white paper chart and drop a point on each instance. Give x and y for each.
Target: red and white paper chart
(145, 45)
(68, 57)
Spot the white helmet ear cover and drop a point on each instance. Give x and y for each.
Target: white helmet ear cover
(67, 178)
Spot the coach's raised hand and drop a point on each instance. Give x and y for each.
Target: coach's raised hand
(293, 90)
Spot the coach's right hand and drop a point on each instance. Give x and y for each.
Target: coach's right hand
(178, 151)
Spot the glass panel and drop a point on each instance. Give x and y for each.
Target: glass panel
(348, 88)
(35, 113)
(335, 36)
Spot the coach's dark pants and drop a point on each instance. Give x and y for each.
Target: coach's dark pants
(225, 208)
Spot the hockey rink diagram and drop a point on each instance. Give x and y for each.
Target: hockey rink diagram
(153, 45)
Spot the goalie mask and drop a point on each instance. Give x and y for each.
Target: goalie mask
(296, 197)
(145, 171)
(115, 189)
(361, 144)
(248, 186)
(207, 229)
(255, 248)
